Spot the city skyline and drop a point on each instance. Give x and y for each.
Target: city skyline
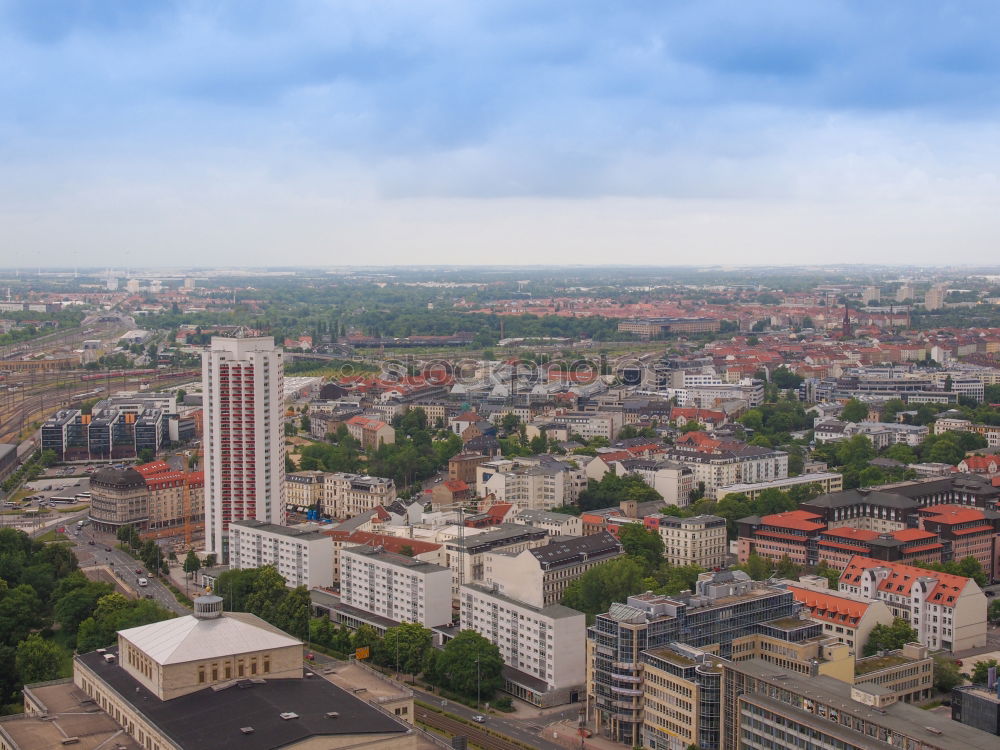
(381, 133)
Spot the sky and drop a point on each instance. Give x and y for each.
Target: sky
(342, 132)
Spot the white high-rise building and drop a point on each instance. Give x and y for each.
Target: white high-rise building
(242, 383)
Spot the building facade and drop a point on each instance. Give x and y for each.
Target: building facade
(696, 540)
(302, 556)
(242, 386)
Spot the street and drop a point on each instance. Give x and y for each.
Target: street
(122, 564)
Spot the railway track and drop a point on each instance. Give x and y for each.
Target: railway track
(477, 736)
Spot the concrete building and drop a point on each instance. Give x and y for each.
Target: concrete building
(947, 611)
(242, 386)
(827, 481)
(538, 576)
(673, 480)
(303, 556)
(467, 556)
(934, 298)
(371, 433)
(462, 467)
(586, 424)
(716, 464)
(107, 433)
(528, 484)
(764, 708)
(166, 684)
(118, 497)
(542, 647)
(696, 540)
(397, 587)
(176, 500)
(906, 673)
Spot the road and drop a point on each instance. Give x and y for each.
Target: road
(524, 730)
(104, 552)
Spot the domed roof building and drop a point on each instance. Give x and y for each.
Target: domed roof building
(118, 497)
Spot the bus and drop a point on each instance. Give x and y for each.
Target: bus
(63, 500)
(83, 496)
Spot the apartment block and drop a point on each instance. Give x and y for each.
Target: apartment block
(719, 464)
(697, 540)
(540, 484)
(556, 524)
(396, 587)
(586, 424)
(826, 481)
(304, 489)
(371, 433)
(538, 576)
(847, 618)
(673, 480)
(462, 467)
(302, 556)
(467, 556)
(947, 611)
(347, 495)
(542, 647)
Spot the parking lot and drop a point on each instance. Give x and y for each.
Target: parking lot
(43, 490)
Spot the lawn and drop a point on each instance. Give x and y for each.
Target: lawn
(52, 536)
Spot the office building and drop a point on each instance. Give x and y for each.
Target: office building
(242, 386)
(723, 608)
(303, 556)
(977, 706)
(396, 587)
(765, 708)
(556, 524)
(107, 432)
(947, 611)
(542, 647)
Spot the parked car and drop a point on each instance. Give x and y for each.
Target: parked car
(479, 719)
(143, 582)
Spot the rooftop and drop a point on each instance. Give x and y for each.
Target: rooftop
(876, 663)
(215, 718)
(555, 611)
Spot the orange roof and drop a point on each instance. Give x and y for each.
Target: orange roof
(456, 485)
(911, 535)
(923, 548)
(952, 513)
(901, 577)
(154, 467)
(389, 543)
(497, 511)
(802, 520)
(973, 530)
(863, 535)
(830, 607)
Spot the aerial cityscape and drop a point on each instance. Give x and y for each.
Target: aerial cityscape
(511, 376)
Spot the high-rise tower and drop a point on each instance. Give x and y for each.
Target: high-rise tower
(242, 384)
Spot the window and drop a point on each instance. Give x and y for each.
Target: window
(201, 675)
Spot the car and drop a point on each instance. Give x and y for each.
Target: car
(91, 542)
(479, 719)
(149, 596)
(142, 582)
(138, 571)
(107, 549)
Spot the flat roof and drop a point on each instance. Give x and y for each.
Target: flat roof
(273, 528)
(214, 718)
(555, 611)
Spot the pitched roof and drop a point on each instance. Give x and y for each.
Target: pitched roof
(901, 577)
(946, 513)
(801, 520)
(829, 606)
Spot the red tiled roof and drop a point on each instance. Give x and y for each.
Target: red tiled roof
(497, 511)
(973, 530)
(901, 577)
(952, 513)
(922, 548)
(911, 535)
(154, 467)
(830, 607)
(855, 548)
(849, 531)
(390, 543)
(801, 520)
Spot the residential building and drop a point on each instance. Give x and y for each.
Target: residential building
(538, 576)
(531, 483)
(371, 433)
(826, 481)
(720, 464)
(764, 708)
(884, 434)
(176, 502)
(397, 587)
(977, 706)
(724, 607)
(947, 611)
(415, 548)
(348, 495)
(242, 386)
(163, 684)
(304, 489)
(556, 524)
(451, 491)
(462, 467)
(302, 555)
(586, 424)
(542, 647)
(673, 480)
(696, 540)
(466, 555)
(849, 619)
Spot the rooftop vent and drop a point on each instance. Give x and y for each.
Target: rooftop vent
(332, 715)
(109, 658)
(933, 730)
(208, 607)
(246, 730)
(286, 715)
(71, 741)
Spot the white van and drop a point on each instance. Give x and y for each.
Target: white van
(143, 582)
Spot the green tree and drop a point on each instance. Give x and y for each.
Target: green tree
(757, 567)
(366, 637)
(289, 464)
(305, 423)
(831, 574)
(947, 675)
(37, 659)
(471, 665)
(889, 637)
(405, 647)
(981, 671)
(901, 452)
(292, 612)
(604, 584)
(191, 563)
(267, 593)
(509, 423)
(994, 611)
(641, 543)
(146, 455)
(854, 411)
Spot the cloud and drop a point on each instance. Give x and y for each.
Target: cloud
(441, 100)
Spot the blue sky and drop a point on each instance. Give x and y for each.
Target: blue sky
(135, 132)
